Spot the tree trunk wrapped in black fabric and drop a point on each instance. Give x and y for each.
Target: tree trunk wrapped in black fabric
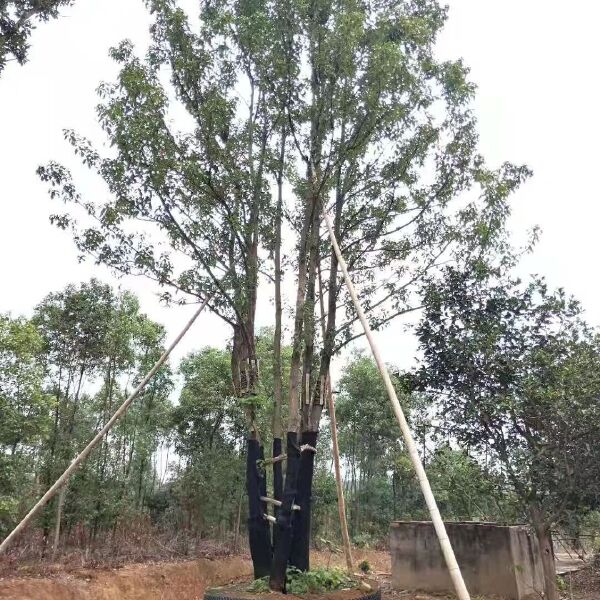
(277, 480)
(300, 552)
(284, 525)
(258, 527)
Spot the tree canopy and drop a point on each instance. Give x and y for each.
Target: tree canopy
(18, 18)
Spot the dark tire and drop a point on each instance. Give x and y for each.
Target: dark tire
(224, 594)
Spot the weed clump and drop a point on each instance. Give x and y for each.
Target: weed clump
(316, 581)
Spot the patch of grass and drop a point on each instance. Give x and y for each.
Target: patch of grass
(298, 582)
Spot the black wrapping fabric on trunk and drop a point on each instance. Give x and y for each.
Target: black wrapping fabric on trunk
(262, 480)
(284, 523)
(300, 552)
(258, 528)
(277, 470)
(277, 481)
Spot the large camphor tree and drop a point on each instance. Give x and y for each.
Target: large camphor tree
(229, 139)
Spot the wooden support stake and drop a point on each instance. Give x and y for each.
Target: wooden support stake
(436, 517)
(84, 453)
(275, 459)
(277, 502)
(338, 480)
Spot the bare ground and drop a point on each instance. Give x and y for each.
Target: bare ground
(187, 580)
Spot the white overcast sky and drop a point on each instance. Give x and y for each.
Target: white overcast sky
(536, 66)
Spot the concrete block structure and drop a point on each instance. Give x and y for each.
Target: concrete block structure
(494, 559)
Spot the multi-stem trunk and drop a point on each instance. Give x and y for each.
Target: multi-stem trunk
(314, 388)
(311, 408)
(244, 359)
(284, 525)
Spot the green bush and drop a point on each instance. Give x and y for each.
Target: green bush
(309, 582)
(317, 581)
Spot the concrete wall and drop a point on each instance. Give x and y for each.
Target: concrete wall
(494, 559)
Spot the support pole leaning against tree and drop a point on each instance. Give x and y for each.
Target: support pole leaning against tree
(62, 480)
(338, 481)
(336, 451)
(436, 518)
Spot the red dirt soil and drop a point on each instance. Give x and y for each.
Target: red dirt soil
(183, 580)
(161, 581)
(187, 580)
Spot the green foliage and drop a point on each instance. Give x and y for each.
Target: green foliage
(23, 405)
(514, 369)
(24, 412)
(364, 540)
(317, 581)
(62, 375)
(17, 20)
(465, 490)
(369, 441)
(209, 430)
(377, 119)
(381, 481)
(333, 100)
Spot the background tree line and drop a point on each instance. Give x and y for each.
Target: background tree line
(172, 471)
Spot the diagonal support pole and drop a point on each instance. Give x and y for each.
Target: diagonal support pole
(98, 437)
(436, 518)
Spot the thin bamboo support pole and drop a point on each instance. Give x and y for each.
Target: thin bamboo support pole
(84, 453)
(338, 481)
(436, 518)
(336, 450)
